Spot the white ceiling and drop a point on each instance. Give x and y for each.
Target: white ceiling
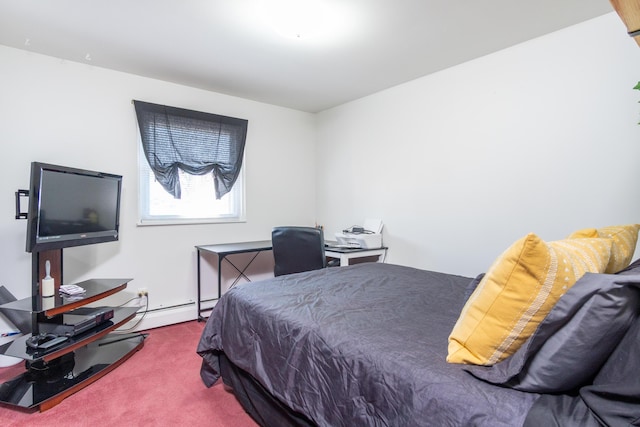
(227, 47)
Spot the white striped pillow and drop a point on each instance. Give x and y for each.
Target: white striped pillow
(625, 238)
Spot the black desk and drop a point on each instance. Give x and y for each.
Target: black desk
(223, 251)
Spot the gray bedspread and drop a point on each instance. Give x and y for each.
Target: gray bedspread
(363, 345)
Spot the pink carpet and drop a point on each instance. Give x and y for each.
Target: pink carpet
(159, 385)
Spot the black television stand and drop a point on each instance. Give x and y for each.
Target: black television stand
(54, 373)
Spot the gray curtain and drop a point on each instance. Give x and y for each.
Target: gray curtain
(195, 142)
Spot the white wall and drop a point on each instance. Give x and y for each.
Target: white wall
(74, 114)
(541, 137)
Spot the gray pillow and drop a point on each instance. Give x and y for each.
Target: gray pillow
(575, 339)
(633, 268)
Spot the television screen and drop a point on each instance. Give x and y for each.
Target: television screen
(71, 207)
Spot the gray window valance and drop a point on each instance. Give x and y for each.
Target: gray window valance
(195, 142)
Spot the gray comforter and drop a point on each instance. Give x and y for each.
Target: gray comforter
(363, 345)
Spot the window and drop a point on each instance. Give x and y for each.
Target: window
(190, 166)
(197, 204)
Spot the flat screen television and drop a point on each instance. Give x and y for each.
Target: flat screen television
(71, 207)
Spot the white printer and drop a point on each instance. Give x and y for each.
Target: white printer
(369, 236)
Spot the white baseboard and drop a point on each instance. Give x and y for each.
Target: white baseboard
(160, 317)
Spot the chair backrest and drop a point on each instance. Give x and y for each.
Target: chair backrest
(297, 249)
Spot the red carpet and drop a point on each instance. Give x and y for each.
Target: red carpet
(159, 385)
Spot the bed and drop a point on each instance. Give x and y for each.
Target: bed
(367, 345)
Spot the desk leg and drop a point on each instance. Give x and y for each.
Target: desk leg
(344, 260)
(200, 318)
(241, 272)
(220, 258)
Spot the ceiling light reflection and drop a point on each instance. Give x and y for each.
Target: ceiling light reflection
(312, 20)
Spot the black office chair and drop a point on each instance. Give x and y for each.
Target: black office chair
(297, 249)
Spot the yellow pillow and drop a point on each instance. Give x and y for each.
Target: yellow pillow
(517, 292)
(624, 239)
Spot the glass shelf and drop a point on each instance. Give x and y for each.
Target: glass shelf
(69, 373)
(95, 289)
(18, 348)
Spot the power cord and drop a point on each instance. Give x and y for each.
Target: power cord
(128, 301)
(144, 313)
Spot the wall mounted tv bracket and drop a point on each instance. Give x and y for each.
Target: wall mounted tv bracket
(20, 194)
